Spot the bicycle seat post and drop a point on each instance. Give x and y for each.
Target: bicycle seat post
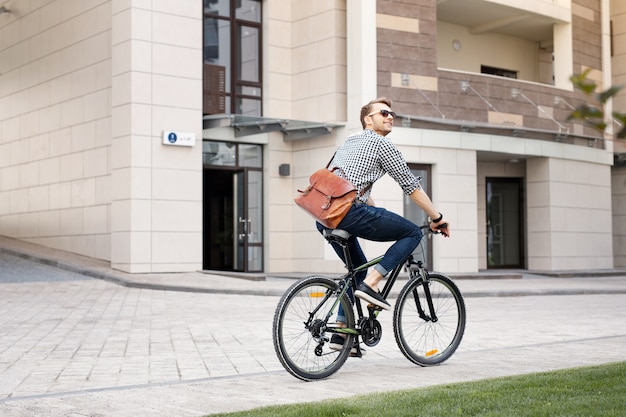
(341, 238)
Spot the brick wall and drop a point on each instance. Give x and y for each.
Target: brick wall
(413, 52)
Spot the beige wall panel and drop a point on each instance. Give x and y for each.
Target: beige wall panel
(565, 189)
(618, 186)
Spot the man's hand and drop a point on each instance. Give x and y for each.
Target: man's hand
(442, 227)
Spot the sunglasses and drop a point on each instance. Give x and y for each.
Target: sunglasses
(386, 113)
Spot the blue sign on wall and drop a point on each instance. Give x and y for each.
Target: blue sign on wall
(179, 138)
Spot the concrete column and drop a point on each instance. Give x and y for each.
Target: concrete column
(156, 222)
(563, 56)
(569, 215)
(362, 55)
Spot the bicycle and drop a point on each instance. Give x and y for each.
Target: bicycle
(428, 318)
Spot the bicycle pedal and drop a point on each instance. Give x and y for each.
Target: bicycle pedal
(356, 354)
(357, 351)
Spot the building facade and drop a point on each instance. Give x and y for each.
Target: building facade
(170, 136)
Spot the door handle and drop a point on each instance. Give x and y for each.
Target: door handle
(245, 227)
(242, 228)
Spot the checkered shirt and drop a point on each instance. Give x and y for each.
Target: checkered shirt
(366, 156)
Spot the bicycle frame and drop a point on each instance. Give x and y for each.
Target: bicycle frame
(352, 273)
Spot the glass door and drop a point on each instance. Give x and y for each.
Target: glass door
(504, 223)
(248, 239)
(233, 207)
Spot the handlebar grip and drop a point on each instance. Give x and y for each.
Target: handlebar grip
(439, 227)
(442, 226)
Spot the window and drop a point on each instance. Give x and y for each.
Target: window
(232, 76)
(484, 69)
(232, 154)
(412, 212)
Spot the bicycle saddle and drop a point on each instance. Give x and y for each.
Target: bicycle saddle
(331, 234)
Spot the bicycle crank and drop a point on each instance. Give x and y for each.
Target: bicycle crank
(371, 331)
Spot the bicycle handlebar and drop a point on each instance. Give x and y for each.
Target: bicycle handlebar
(435, 232)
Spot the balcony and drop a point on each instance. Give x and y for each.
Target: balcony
(531, 20)
(530, 42)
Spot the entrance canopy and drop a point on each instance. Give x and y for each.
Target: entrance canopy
(252, 125)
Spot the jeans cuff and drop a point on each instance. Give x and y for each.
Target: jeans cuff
(382, 271)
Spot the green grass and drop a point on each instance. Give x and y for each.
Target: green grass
(590, 391)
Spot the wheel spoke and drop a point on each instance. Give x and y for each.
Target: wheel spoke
(429, 342)
(300, 337)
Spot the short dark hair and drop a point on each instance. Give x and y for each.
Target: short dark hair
(365, 110)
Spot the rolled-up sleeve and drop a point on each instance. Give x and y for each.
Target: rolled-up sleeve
(393, 162)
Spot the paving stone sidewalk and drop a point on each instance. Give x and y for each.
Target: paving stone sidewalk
(78, 339)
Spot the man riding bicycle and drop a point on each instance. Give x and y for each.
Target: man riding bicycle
(363, 159)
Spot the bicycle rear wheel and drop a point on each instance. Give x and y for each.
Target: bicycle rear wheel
(300, 329)
(423, 337)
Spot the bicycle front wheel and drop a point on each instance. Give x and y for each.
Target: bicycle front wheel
(427, 332)
(302, 328)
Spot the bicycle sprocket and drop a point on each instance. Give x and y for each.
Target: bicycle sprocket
(371, 331)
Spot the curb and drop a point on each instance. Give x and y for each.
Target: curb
(105, 275)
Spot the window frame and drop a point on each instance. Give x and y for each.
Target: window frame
(233, 92)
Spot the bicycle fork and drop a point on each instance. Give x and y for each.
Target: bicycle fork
(417, 271)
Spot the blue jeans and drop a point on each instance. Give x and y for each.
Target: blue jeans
(379, 225)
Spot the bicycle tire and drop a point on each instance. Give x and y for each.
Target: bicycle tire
(295, 344)
(422, 341)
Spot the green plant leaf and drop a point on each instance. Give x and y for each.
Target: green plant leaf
(621, 118)
(593, 115)
(583, 83)
(609, 93)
